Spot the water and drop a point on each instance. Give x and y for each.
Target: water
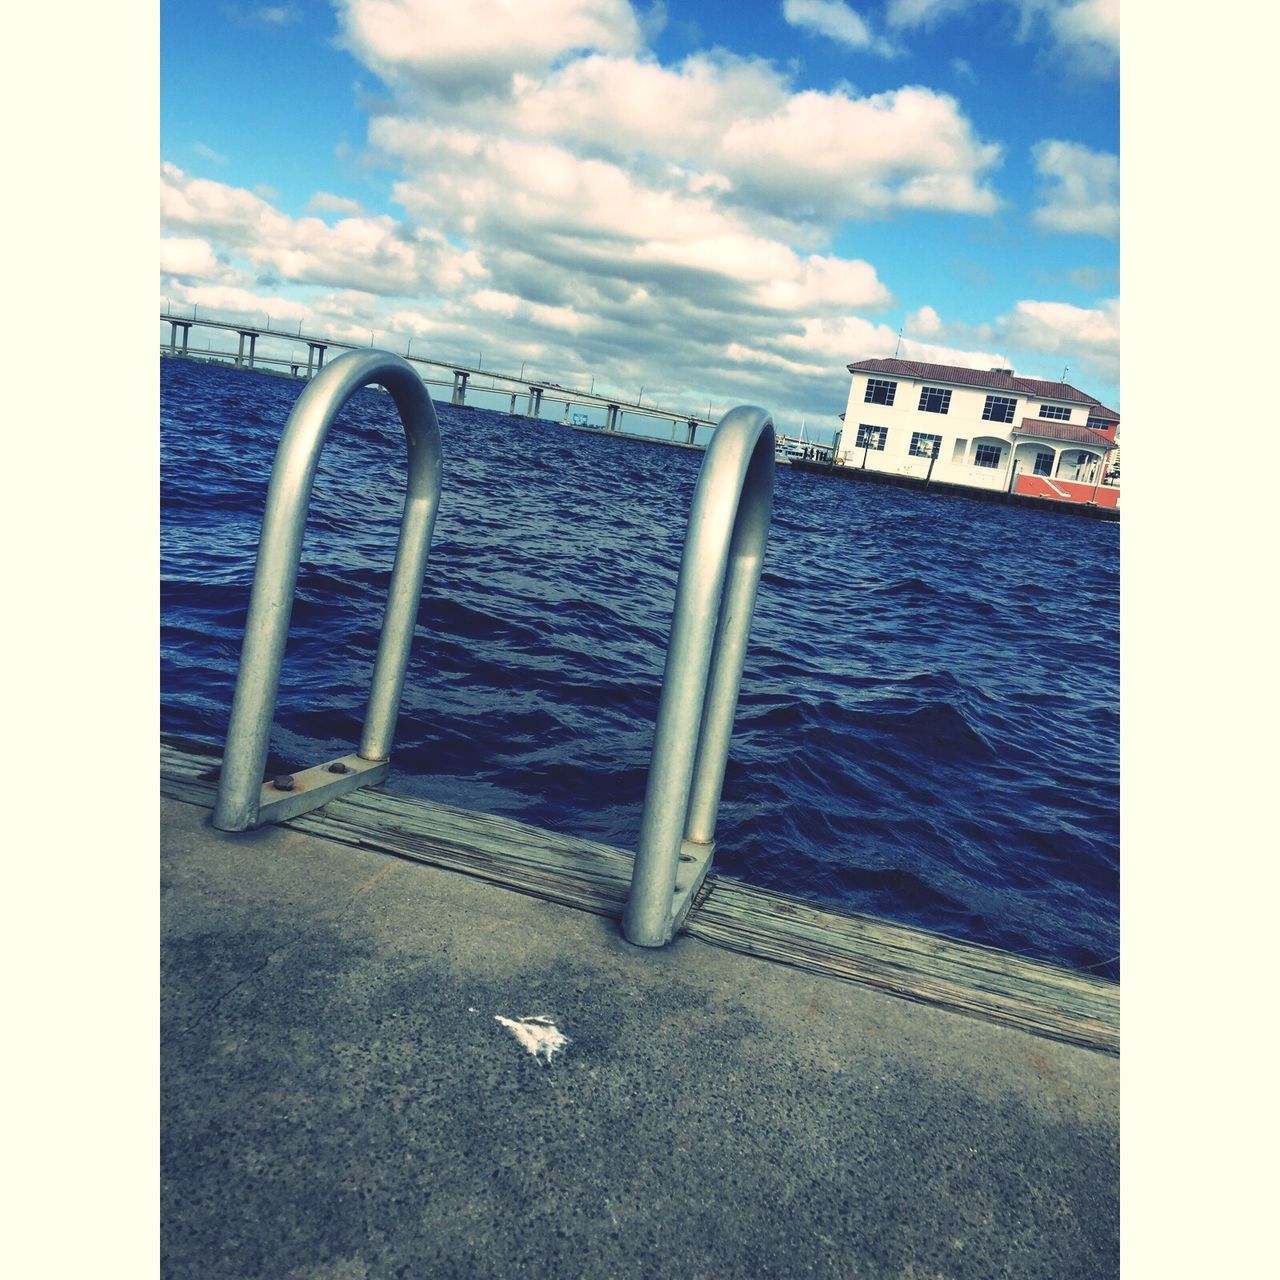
(928, 726)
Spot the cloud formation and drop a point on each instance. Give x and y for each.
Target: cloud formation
(1084, 22)
(1086, 31)
(188, 258)
(1090, 335)
(477, 47)
(1083, 192)
(836, 21)
(377, 255)
(327, 202)
(567, 201)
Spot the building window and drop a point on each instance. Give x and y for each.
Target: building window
(987, 455)
(1056, 412)
(934, 400)
(999, 409)
(1098, 424)
(1043, 465)
(923, 445)
(871, 437)
(879, 391)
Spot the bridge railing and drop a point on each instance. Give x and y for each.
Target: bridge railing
(518, 383)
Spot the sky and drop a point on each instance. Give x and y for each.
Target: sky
(699, 203)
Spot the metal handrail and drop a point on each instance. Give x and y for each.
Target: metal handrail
(243, 800)
(715, 597)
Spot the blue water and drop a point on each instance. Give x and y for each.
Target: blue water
(928, 725)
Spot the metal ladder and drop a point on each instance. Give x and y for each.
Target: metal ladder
(715, 597)
(244, 801)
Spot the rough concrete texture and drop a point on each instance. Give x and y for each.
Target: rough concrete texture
(340, 1103)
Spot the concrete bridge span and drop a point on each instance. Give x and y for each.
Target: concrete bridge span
(460, 379)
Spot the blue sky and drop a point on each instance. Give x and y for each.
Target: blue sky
(714, 202)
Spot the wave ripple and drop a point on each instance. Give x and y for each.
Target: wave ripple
(928, 725)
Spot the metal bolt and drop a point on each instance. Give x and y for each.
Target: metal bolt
(338, 767)
(283, 782)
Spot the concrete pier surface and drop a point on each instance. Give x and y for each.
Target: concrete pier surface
(340, 1101)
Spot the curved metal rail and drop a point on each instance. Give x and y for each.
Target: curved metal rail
(715, 596)
(243, 800)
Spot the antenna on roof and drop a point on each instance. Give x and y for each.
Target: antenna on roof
(899, 346)
(1065, 367)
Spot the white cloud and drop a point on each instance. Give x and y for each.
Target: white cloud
(862, 157)
(762, 358)
(966, 356)
(1088, 22)
(230, 298)
(837, 340)
(924, 323)
(835, 20)
(1091, 336)
(326, 202)
(232, 214)
(477, 46)
(375, 254)
(585, 277)
(819, 283)
(1087, 32)
(1084, 192)
(736, 123)
(511, 307)
(622, 106)
(593, 216)
(1058, 326)
(187, 257)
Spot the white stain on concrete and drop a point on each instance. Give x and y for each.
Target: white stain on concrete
(539, 1035)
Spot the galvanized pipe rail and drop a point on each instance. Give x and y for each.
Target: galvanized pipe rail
(715, 597)
(244, 800)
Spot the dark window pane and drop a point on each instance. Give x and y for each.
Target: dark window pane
(934, 400)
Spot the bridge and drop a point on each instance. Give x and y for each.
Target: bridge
(435, 373)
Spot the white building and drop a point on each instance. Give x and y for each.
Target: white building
(988, 429)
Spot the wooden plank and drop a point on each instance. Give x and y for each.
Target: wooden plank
(984, 982)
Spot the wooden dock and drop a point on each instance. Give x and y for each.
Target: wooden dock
(984, 982)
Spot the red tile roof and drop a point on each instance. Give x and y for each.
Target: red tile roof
(989, 380)
(1047, 430)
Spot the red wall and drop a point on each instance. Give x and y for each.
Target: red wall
(1067, 491)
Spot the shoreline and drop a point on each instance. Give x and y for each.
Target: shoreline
(1108, 515)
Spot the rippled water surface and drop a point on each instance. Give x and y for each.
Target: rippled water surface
(928, 725)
